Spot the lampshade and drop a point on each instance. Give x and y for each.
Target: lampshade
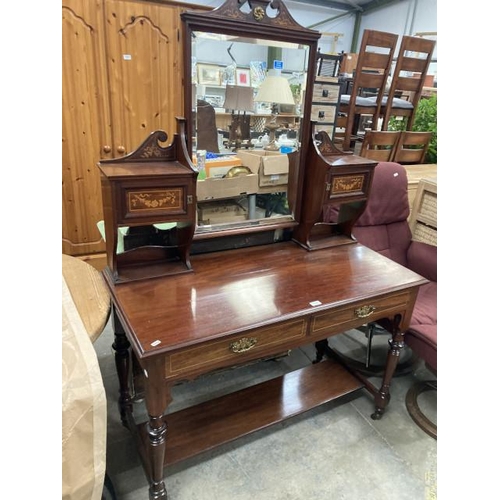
(239, 98)
(275, 89)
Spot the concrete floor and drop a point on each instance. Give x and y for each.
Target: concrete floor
(332, 452)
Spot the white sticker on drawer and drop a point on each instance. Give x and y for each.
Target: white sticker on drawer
(315, 303)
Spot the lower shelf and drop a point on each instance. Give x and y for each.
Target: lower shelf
(210, 424)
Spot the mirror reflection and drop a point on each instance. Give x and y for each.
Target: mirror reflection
(247, 97)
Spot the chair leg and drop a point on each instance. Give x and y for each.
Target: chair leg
(366, 366)
(371, 331)
(414, 410)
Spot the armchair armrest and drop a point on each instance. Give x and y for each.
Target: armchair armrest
(422, 259)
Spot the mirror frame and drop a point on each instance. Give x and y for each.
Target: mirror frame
(230, 19)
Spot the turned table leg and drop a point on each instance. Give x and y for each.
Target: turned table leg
(157, 398)
(157, 431)
(121, 346)
(396, 345)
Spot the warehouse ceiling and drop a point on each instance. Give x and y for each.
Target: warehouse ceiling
(349, 5)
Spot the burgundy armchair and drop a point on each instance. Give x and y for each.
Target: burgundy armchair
(384, 227)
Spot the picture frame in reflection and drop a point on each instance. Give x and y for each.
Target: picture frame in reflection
(209, 74)
(243, 77)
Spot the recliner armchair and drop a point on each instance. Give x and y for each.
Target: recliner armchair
(384, 227)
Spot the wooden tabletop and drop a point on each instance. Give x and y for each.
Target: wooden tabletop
(89, 292)
(231, 291)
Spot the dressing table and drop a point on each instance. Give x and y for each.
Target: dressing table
(241, 305)
(242, 301)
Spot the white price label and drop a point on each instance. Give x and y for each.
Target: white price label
(315, 303)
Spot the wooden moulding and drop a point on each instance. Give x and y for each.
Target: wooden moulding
(229, 16)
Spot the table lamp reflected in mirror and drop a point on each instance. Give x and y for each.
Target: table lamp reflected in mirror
(239, 99)
(275, 89)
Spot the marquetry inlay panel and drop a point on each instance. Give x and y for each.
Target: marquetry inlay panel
(347, 184)
(158, 200)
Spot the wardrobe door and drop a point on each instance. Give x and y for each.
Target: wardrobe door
(122, 79)
(144, 56)
(86, 125)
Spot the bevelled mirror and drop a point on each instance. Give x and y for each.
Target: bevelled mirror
(249, 73)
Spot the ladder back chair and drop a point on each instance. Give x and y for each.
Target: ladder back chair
(370, 78)
(413, 61)
(378, 145)
(328, 64)
(412, 147)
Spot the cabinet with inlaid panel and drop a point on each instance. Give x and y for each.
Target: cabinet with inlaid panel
(336, 189)
(153, 184)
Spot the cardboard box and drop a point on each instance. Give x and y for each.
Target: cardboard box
(349, 62)
(219, 167)
(215, 189)
(271, 166)
(218, 212)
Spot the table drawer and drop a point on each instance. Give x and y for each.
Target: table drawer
(359, 313)
(242, 347)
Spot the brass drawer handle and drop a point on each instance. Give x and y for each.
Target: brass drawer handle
(364, 311)
(243, 345)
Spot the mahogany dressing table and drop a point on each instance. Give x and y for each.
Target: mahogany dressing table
(229, 307)
(241, 305)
